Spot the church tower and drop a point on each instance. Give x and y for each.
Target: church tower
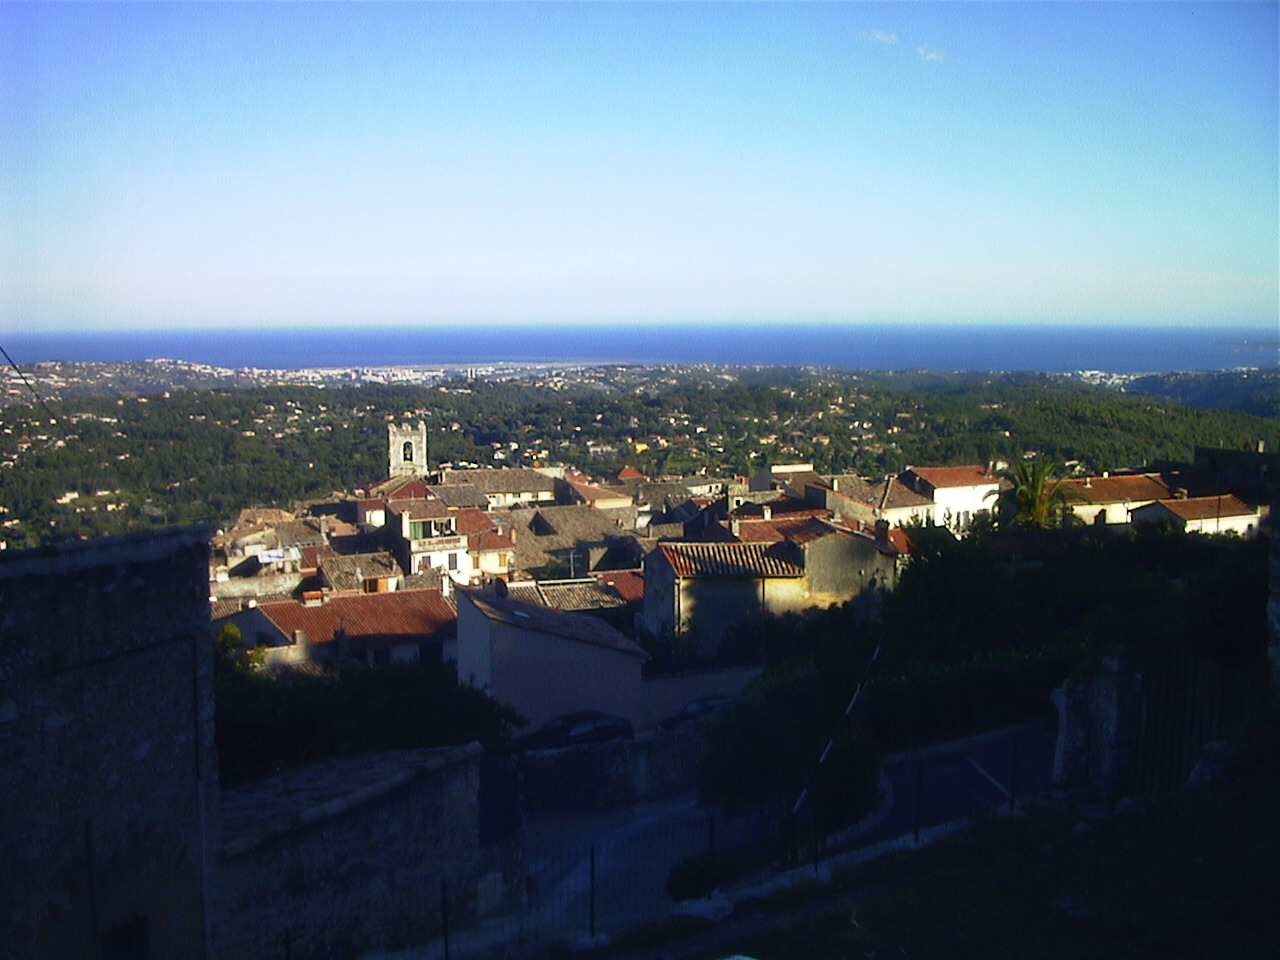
(407, 449)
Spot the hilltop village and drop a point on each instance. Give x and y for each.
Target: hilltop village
(378, 715)
(531, 580)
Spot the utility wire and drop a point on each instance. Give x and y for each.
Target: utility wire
(831, 741)
(35, 393)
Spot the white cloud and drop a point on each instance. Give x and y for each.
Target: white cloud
(931, 53)
(880, 36)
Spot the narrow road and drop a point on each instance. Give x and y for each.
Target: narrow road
(629, 852)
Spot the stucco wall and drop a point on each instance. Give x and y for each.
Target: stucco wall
(358, 872)
(708, 607)
(602, 776)
(107, 767)
(665, 696)
(544, 676)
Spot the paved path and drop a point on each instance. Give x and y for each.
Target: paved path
(636, 847)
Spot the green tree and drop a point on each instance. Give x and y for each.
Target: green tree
(1037, 495)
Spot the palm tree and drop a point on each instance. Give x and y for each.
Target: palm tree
(1037, 494)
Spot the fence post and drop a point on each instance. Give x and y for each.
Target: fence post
(593, 892)
(1013, 773)
(919, 795)
(444, 914)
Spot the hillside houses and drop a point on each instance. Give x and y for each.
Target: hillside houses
(648, 557)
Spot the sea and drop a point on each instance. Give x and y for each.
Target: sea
(1054, 349)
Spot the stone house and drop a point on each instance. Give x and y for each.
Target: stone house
(761, 566)
(546, 662)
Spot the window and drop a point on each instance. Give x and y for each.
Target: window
(453, 561)
(407, 453)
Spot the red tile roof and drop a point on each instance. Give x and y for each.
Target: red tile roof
(403, 616)
(490, 540)
(407, 488)
(629, 584)
(590, 491)
(718, 560)
(630, 473)
(419, 509)
(800, 529)
(1130, 488)
(790, 506)
(1208, 508)
(468, 520)
(967, 476)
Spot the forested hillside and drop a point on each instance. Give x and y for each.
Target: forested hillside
(200, 456)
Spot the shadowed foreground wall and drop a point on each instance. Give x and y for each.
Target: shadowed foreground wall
(108, 779)
(349, 855)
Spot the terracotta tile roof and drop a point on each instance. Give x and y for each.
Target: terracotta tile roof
(629, 584)
(591, 491)
(402, 488)
(580, 627)
(578, 595)
(785, 508)
(369, 619)
(419, 509)
(719, 560)
(796, 529)
(312, 556)
(490, 540)
(884, 494)
(459, 495)
(967, 476)
(1130, 488)
(630, 473)
(1208, 508)
(511, 480)
(469, 520)
(350, 572)
(900, 541)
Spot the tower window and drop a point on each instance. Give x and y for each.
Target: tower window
(408, 452)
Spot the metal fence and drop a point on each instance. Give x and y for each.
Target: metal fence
(616, 878)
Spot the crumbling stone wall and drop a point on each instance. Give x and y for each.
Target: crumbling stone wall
(304, 876)
(107, 767)
(602, 776)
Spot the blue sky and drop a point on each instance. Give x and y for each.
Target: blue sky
(181, 164)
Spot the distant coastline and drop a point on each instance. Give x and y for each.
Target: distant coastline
(864, 346)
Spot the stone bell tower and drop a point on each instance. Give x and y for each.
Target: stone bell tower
(407, 449)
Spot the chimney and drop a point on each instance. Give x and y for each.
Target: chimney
(300, 641)
(735, 526)
(882, 532)
(766, 511)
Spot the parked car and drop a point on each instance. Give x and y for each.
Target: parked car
(584, 726)
(694, 712)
